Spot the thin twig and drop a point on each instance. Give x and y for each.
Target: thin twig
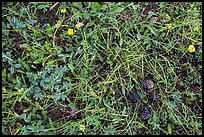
(53, 6)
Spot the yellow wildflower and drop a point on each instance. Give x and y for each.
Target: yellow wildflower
(84, 43)
(81, 127)
(92, 111)
(36, 103)
(191, 48)
(70, 31)
(63, 10)
(196, 28)
(20, 90)
(58, 23)
(169, 26)
(78, 25)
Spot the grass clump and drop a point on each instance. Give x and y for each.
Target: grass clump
(80, 68)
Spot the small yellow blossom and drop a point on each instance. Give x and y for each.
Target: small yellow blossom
(92, 111)
(36, 103)
(70, 31)
(63, 10)
(169, 26)
(196, 28)
(81, 127)
(78, 25)
(84, 43)
(191, 48)
(58, 23)
(20, 90)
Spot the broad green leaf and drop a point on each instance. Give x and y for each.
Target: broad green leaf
(34, 82)
(77, 5)
(30, 127)
(96, 5)
(74, 123)
(17, 65)
(39, 123)
(12, 70)
(72, 105)
(105, 30)
(47, 79)
(86, 15)
(23, 116)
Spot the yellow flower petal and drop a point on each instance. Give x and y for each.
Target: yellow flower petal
(191, 48)
(20, 91)
(70, 31)
(78, 25)
(169, 26)
(196, 29)
(81, 127)
(58, 23)
(63, 10)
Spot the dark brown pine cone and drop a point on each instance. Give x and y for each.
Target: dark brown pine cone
(134, 97)
(144, 113)
(151, 96)
(147, 84)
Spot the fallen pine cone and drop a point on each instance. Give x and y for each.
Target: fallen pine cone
(147, 84)
(144, 113)
(134, 97)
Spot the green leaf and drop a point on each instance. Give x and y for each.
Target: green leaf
(23, 116)
(150, 14)
(4, 73)
(34, 82)
(89, 24)
(37, 61)
(77, 5)
(49, 29)
(31, 22)
(119, 9)
(71, 67)
(74, 123)
(41, 82)
(47, 79)
(4, 59)
(105, 30)
(39, 123)
(30, 127)
(95, 36)
(44, 112)
(27, 67)
(28, 119)
(140, 94)
(152, 30)
(12, 70)
(72, 105)
(117, 33)
(3, 25)
(24, 93)
(169, 129)
(96, 5)
(17, 65)
(123, 90)
(140, 125)
(121, 42)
